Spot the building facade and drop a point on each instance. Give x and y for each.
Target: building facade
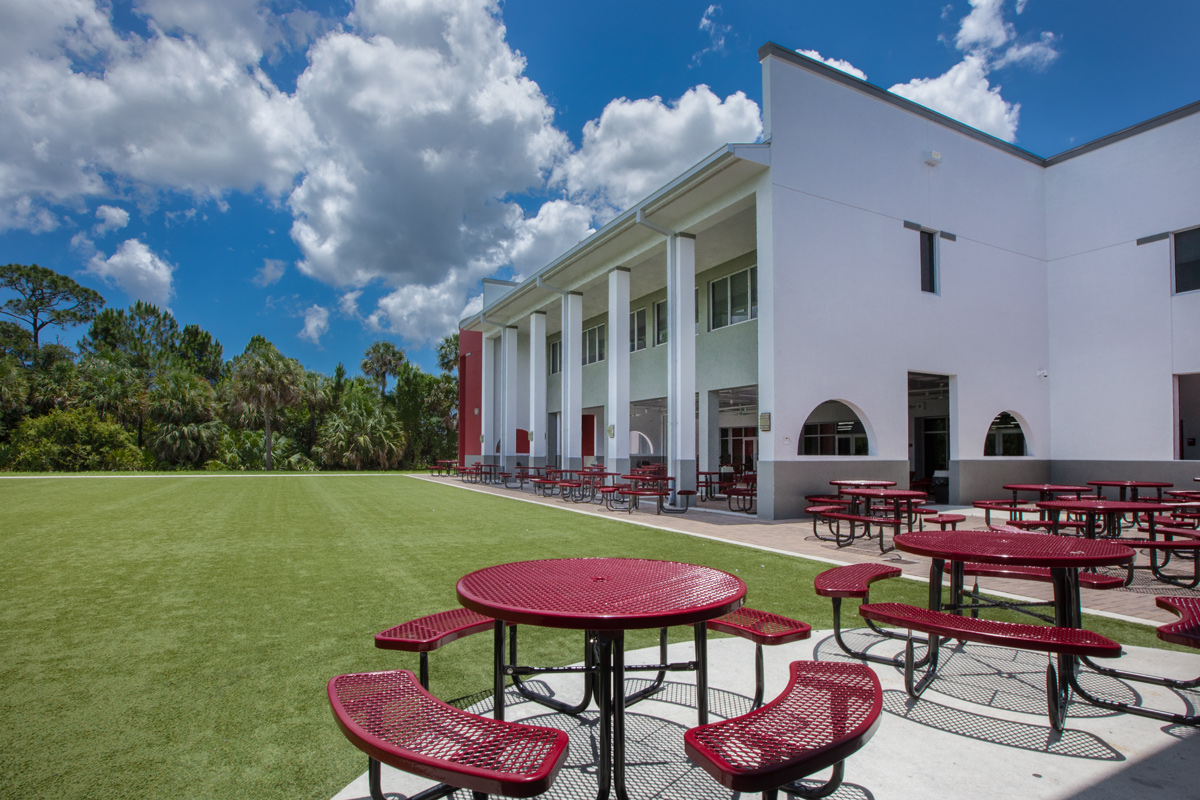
(874, 291)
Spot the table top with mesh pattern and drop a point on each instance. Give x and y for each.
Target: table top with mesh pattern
(885, 494)
(601, 593)
(1085, 504)
(1023, 549)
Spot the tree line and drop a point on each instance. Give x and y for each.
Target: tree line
(139, 392)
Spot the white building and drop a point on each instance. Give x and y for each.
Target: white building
(876, 290)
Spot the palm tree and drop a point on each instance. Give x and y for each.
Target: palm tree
(316, 394)
(113, 387)
(381, 360)
(265, 381)
(183, 405)
(447, 353)
(363, 434)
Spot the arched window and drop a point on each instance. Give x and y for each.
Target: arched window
(833, 429)
(1004, 437)
(640, 444)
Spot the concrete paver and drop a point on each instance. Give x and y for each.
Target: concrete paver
(1135, 602)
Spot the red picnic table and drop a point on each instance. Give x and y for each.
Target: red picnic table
(861, 484)
(1045, 491)
(897, 497)
(608, 596)
(1065, 557)
(1110, 511)
(1129, 489)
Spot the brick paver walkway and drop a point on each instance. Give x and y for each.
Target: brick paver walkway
(796, 536)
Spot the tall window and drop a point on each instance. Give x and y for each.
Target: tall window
(928, 262)
(733, 299)
(1187, 260)
(593, 345)
(554, 358)
(739, 447)
(637, 330)
(660, 322)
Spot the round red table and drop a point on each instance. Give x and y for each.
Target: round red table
(861, 484)
(897, 496)
(608, 596)
(1046, 491)
(1127, 487)
(1065, 556)
(1111, 510)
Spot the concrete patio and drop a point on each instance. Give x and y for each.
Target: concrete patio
(980, 730)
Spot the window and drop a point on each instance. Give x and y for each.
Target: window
(660, 322)
(593, 345)
(554, 359)
(733, 299)
(1004, 437)
(1187, 260)
(928, 262)
(637, 330)
(846, 438)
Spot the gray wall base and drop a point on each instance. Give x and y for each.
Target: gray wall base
(984, 479)
(1179, 473)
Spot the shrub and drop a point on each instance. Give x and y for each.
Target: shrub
(74, 440)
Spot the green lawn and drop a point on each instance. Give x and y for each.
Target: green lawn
(172, 636)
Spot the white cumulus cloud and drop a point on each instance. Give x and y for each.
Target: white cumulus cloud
(111, 219)
(271, 272)
(316, 323)
(638, 145)
(836, 63)
(137, 271)
(402, 154)
(429, 127)
(965, 92)
(348, 303)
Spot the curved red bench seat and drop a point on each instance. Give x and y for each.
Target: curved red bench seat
(828, 711)
(426, 634)
(395, 721)
(762, 628)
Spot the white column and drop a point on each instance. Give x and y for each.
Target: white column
(488, 404)
(509, 372)
(771, 449)
(681, 356)
(571, 418)
(616, 413)
(537, 387)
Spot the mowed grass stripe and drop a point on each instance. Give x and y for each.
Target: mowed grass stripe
(172, 638)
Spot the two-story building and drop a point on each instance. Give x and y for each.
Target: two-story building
(875, 290)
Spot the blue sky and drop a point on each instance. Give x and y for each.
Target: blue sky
(331, 173)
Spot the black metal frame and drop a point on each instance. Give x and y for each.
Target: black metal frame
(607, 671)
(375, 778)
(891, 661)
(814, 792)
(1058, 691)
